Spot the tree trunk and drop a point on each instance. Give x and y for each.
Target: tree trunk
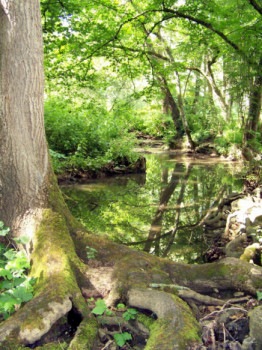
(30, 201)
(191, 143)
(255, 103)
(170, 104)
(167, 192)
(24, 154)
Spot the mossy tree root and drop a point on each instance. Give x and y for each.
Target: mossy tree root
(176, 326)
(225, 274)
(58, 263)
(57, 269)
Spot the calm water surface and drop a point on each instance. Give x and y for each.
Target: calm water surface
(157, 211)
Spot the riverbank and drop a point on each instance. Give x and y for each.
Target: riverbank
(122, 167)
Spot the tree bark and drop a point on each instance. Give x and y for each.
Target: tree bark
(255, 103)
(170, 104)
(24, 154)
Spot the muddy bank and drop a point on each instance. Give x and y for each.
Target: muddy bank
(122, 167)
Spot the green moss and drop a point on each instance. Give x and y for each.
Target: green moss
(258, 284)
(11, 346)
(145, 320)
(53, 346)
(54, 253)
(166, 335)
(242, 278)
(85, 335)
(158, 334)
(217, 271)
(191, 329)
(54, 256)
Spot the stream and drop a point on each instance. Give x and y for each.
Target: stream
(160, 211)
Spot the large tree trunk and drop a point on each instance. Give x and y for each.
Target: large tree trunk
(255, 103)
(24, 154)
(170, 104)
(32, 205)
(30, 201)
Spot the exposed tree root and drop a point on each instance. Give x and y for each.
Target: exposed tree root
(66, 277)
(174, 317)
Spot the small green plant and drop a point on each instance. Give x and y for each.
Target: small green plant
(15, 287)
(91, 252)
(259, 295)
(3, 230)
(130, 314)
(121, 306)
(100, 308)
(122, 338)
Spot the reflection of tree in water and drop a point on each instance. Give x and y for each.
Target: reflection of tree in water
(163, 216)
(167, 191)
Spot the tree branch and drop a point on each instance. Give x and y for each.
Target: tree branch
(206, 25)
(150, 53)
(257, 7)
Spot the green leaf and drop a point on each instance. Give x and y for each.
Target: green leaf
(8, 301)
(23, 294)
(6, 285)
(6, 315)
(22, 240)
(259, 295)
(121, 338)
(5, 273)
(10, 254)
(121, 306)
(4, 231)
(100, 307)
(130, 314)
(18, 280)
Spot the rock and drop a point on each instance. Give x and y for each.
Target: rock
(234, 345)
(252, 253)
(242, 204)
(255, 326)
(248, 344)
(236, 247)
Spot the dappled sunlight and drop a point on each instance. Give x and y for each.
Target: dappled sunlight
(174, 198)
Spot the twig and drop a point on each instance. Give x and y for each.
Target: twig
(107, 344)
(220, 312)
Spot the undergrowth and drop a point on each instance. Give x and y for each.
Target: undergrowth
(16, 287)
(83, 139)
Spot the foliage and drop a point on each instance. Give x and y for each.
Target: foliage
(231, 136)
(121, 306)
(106, 63)
(15, 286)
(100, 307)
(130, 314)
(259, 295)
(91, 252)
(82, 139)
(122, 338)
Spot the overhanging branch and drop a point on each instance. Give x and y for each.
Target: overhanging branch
(256, 6)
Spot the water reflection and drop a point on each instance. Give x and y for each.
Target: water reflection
(161, 212)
